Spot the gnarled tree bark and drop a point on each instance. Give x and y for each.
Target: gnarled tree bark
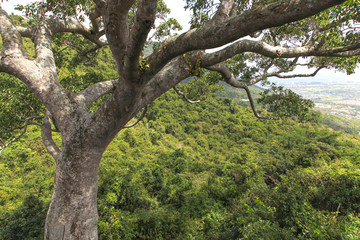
(85, 136)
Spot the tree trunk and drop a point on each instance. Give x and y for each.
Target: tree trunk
(73, 209)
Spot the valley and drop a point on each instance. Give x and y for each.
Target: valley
(341, 98)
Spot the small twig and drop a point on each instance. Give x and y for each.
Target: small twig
(90, 50)
(28, 104)
(299, 75)
(252, 103)
(58, 52)
(14, 139)
(184, 96)
(337, 211)
(139, 119)
(231, 79)
(28, 121)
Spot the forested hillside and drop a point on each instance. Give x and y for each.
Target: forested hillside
(334, 121)
(201, 171)
(209, 170)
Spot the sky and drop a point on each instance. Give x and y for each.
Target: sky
(178, 12)
(176, 6)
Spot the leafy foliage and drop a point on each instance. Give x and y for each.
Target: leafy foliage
(62, 9)
(209, 171)
(286, 103)
(189, 172)
(15, 95)
(76, 71)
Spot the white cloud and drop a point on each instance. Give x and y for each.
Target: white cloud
(178, 12)
(9, 5)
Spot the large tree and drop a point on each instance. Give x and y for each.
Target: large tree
(269, 38)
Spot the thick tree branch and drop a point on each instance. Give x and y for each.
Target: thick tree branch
(24, 32)
(38, 74)
(127, 101)
(167, 78)
(184, 96)
(46, 85)
(94, 16)
(139, 119)
(222, 13)
(59, 26)
(228, 76)
(94, 92)
(116, 23)
(14, 59)
(271, 15)
(46, 134)
(11, 38)
(42, 40)
(123, 105)
(352, 53)
(145, 18)
(267, 50)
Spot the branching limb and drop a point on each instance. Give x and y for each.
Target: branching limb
(145, 18)
(116, 23)
(94, 16)
(46, 134)
(139, 119)
(223, 12)
(228, 76)
(279, 73)
(297, 75)
(334, 23)
(264, 17)
(184, 96)
(5, 145)
(95, 91)
(166, 79)
(24, 32)
(90, 50)
(58, 26)
(231, 80)
(266, 74)
(352, 53)
(38, 74)
(43, 79)
(267, 50)
(83, 53)
(252, 104)
(11, 38)
(27, 121)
